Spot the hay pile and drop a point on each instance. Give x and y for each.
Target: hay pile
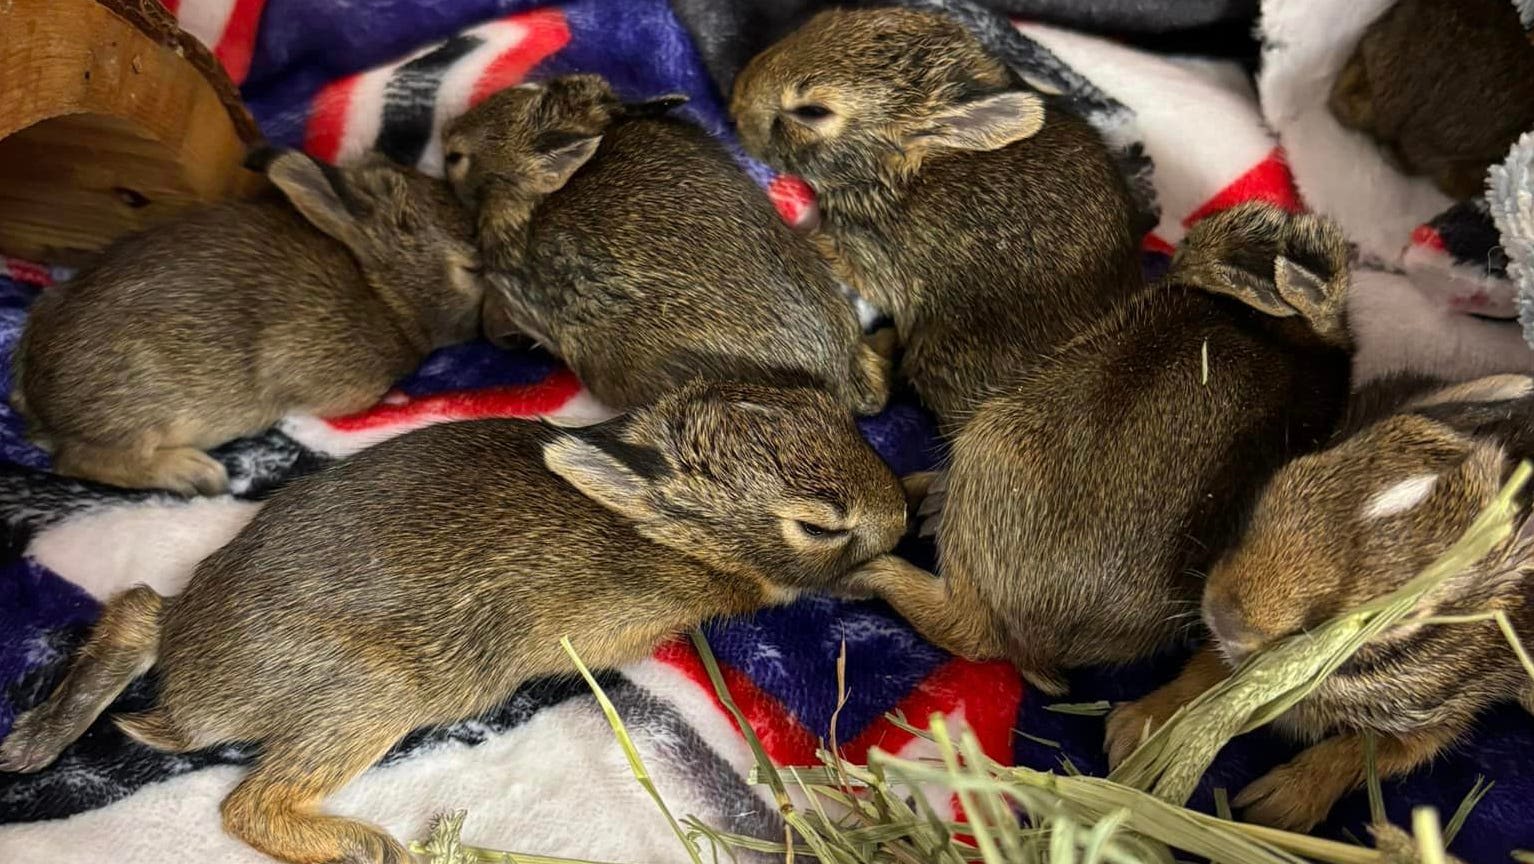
(867, 814)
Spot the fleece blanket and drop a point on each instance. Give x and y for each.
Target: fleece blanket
(1461, 269)
(542, 773)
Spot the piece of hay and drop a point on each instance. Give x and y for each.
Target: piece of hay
(867, 814)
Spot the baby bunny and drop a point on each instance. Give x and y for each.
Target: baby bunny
(632, 245)
(1446, 86)
(990, 226)
(1081, 502)
(1339, 528)
(217, 324)
(472, 548)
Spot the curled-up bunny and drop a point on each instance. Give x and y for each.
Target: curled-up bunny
(717, 500)
(1339, 528)
(316, 297)
(633, 246)
(991, 224)
(1446, 86)
(1082, 499)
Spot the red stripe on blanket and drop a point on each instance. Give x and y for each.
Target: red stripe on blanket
(1427, 235)
(1268, 180)
(327, 118)
(547, 33)
(171, 5)
(545, 397)
(1152, 243)
(237, 43)
(987, 695)
(786, 740)
(28, 273)
(794, 199)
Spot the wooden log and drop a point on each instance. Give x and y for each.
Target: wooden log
(112, 119)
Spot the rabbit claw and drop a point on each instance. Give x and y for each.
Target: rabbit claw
(1285, 798)
(29, 748)
(1127, 728)
(927, 492)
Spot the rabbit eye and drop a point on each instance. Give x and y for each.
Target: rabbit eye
(810, 111)
(820, 532)
(454, 158)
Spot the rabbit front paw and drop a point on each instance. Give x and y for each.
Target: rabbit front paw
(1291, 797)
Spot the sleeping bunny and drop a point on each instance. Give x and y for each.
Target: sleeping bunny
(470, 549)
(634, 247)
(1339, 528)
(316, 297)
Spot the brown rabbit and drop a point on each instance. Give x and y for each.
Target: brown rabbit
(471, 549)
(1446, 86)
(217, 324)
(657, 259)
(991, 227)
(1081, 502)
(1339, 528)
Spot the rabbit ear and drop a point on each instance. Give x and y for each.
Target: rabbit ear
(617, 477)
(1303, 291)
(317, 191)
(563, 155)
(985, 123)
(654, 107)
(1258, 292)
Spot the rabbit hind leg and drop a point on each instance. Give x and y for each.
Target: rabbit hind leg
(145, 464)
(276, 808)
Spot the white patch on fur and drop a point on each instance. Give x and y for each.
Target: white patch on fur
(110, 550)
(1401, 497)
(1339, 172)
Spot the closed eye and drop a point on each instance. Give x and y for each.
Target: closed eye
(810, 111)
(820, 532)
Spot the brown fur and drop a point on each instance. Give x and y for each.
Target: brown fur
(658, 261)
(1318, 545)
(992, 227)
(471, 549)
(217, 324)
(1446, 86)
(1081, 503)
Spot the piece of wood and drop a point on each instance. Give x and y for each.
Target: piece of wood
(111, 120)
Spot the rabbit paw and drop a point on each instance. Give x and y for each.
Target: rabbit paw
(1130, 724)
(926, 492)
(377, 848)
(29, 748)
(190, 472)
(1287, 797)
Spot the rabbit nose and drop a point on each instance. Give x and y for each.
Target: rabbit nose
(882, 535)
(1230, 627)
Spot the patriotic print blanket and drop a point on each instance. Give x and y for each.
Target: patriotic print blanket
(542, 773)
